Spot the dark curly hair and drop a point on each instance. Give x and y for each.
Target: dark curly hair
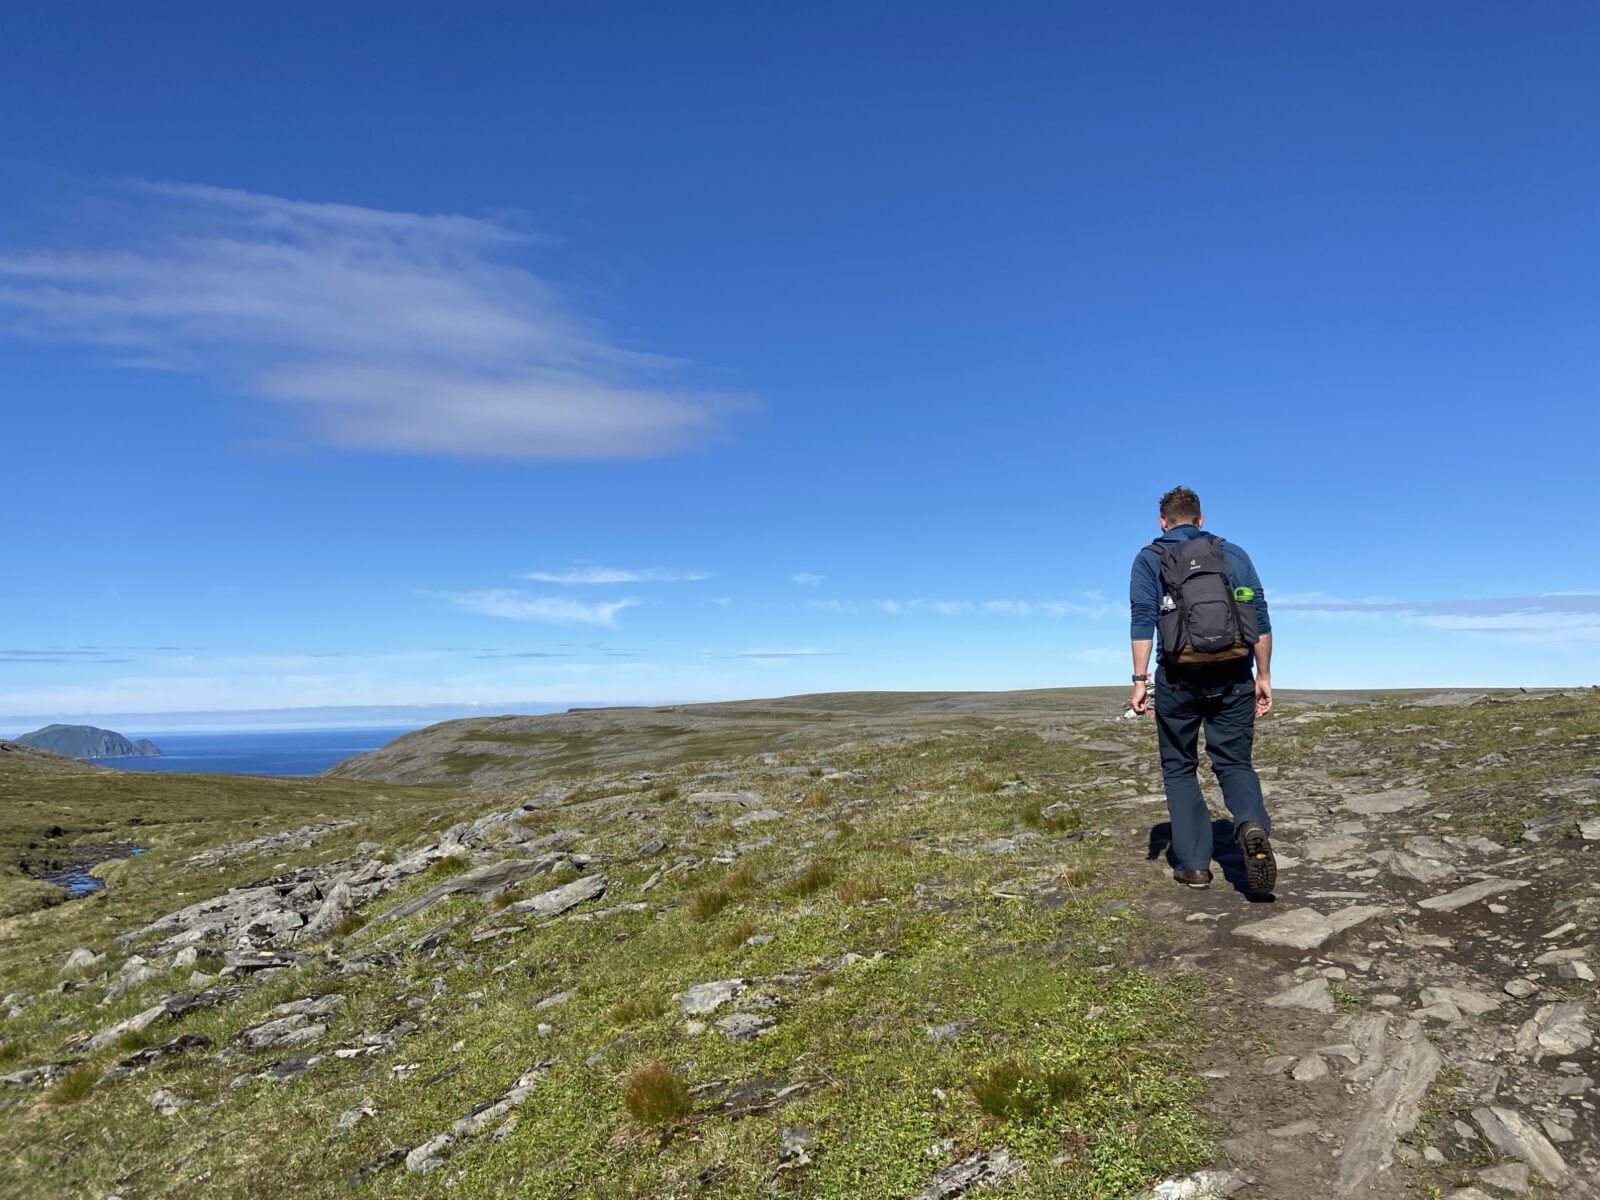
(1180, 506)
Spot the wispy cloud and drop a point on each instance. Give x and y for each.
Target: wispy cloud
(782, 654)
(807, 579)
(378, 330)
(615, 575)
(961, 608)
(554, 610)
(1549, 618)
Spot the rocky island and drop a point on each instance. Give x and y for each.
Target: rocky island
(88, 741)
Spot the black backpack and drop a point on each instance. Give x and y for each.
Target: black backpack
(1201, 618)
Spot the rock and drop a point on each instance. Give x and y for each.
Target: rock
(705, 998)
(1471, 894)
(974, 1171)
(1409, 866)
(1537, 829)
(1333, 846)
(168, 1104)
(134, 972)
(430, 1155)
(743, 1026)
(293, 1030)
(1380, 803)
(335, 907)
(150, 1055)
(1508, 1177)
(558, 900)
(312, 1006)
(181, 1004)
(1202, 1185)
(1554, 1029)
(258, 960)
(1467, 1000)
(479, 881)
(1306, 928)
(81, 958)
(1509, 1132)
(1576, 970)
(1310, 1069)
(132, 1025)
(1312, 995)
(1390, 1111)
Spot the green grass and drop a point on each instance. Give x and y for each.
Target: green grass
(885, 917)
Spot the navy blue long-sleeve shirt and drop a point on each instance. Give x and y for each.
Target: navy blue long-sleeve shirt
(1144, 588)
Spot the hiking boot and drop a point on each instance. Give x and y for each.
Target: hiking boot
(1194, 879)
(1260, 867)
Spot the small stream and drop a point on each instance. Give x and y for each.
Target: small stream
(75, 877)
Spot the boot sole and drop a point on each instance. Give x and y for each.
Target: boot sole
(1260, 867)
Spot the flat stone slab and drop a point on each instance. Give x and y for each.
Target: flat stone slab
(705, 998)
(1313, 995)
(1306, 928)
(1411, 866)
(1373, 804)
(1559, 1029)
(479, 881)
(1509, 1132)
(557, 900)
(1471, 894)
(976, 1170)
(1391, 1111)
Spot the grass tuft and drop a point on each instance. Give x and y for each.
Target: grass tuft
(131, 1040)
(348, 924)
(863, 888)
(637, 1008)
(71, 1086)
(1010, 1090)
(1061, 820)
(710, 900)
(654, 1095)
(735, 935)
(450, 864)
(815, 878)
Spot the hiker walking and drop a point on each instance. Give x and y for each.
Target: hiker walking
(1203, 596)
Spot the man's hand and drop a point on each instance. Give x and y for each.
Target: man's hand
(1263, 695)
(1139, 701)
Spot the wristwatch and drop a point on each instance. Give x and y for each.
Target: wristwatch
(1141, 678)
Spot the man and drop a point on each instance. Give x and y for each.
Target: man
(1207, 600)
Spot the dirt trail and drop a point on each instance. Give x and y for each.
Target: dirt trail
(1412, 1010)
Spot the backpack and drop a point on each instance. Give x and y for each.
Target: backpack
(1201, 618)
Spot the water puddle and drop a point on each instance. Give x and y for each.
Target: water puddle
(80, 860)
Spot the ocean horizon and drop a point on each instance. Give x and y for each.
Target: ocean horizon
(281, 752)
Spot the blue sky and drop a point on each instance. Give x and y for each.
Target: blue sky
(517, 355)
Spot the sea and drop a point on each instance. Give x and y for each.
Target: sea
(255, 751)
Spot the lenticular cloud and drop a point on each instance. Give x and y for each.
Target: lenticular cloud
(376, 330)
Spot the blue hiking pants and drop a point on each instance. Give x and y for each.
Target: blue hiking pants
(1225, 703)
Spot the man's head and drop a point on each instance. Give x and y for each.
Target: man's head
(1181, 506)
